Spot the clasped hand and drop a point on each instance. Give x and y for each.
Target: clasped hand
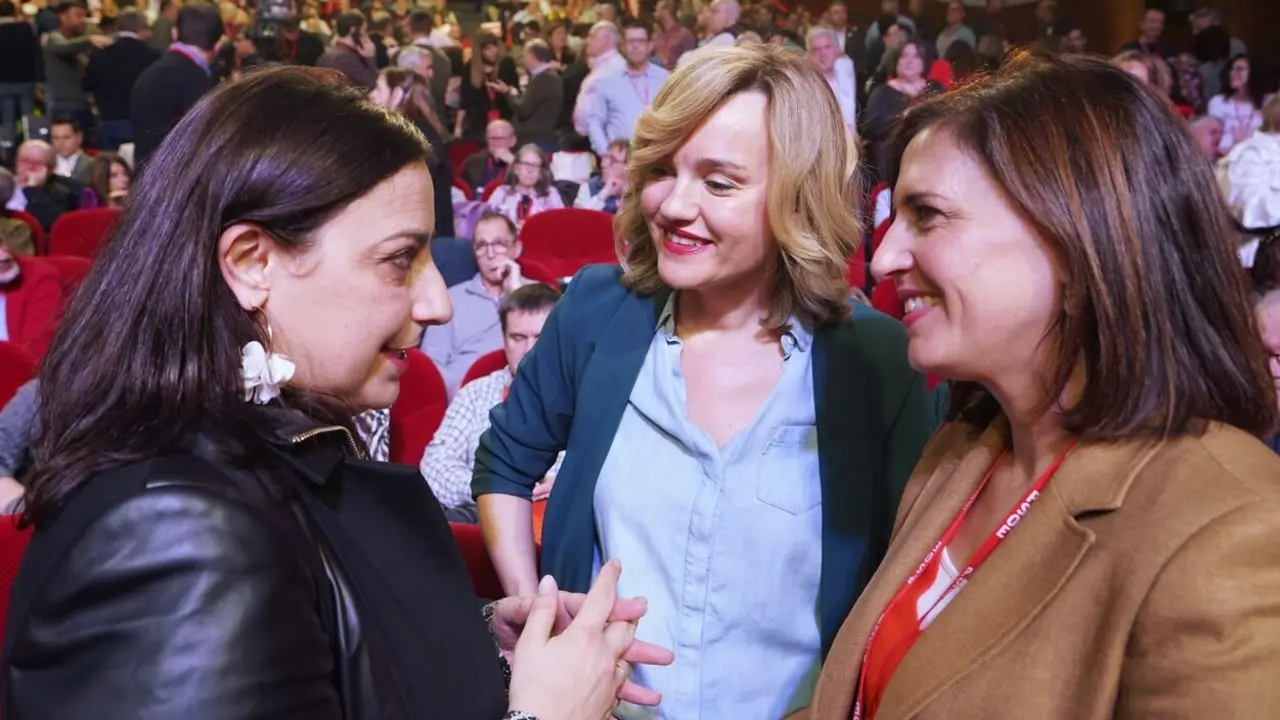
(570, 653)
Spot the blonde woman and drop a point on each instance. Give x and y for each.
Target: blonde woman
(735, 434)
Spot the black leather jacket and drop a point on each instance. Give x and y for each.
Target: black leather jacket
(305, 584)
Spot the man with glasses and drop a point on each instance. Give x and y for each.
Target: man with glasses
(623, 96)
(474, 329)
(485, 166)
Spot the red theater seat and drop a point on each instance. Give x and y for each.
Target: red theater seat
(16, 368)
(565, 240)
(418, 410)
(485, 365)
(13, 545)
(82, 232)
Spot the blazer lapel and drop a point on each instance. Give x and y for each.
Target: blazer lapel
(1021, 577)
(951, 481)
(568, 549)
(985, 616)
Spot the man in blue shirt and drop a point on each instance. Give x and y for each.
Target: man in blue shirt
(622, 96)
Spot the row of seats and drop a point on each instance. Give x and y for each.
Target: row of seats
(78, 233)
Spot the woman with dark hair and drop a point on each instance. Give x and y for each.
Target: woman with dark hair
(408, 93)
(209, 540)
(557, 37)
(1245, 89)
(1095, 531)
(479, 104)
(109, 180)
(907, 84)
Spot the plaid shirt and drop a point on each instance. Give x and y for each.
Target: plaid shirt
(449, 459)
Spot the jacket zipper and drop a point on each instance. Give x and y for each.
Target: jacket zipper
(351, 442)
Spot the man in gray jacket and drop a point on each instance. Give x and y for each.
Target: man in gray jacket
(66, 52)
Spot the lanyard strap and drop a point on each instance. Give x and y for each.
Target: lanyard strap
(983, 552)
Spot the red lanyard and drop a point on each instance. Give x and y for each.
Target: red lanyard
(645, 95)
(868, 700)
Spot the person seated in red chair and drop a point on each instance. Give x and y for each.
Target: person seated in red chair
(13, 231)
(474, 329)
(41, 192)
(31, 297)
(603, 191)
(448, 460)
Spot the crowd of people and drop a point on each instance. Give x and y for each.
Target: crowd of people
(1053, 456)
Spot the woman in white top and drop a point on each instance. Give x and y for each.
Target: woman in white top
(1239, 105)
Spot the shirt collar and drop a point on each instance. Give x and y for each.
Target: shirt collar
(195, 54)
(605, 58)
(794, 339)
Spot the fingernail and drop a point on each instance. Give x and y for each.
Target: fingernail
(546, 585)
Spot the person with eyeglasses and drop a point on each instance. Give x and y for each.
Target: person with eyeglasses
(475, 329)
(484, 166)
(526, 188)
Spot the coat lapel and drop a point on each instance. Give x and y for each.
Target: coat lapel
(950, 482)
(568, 534)
(1006, 594)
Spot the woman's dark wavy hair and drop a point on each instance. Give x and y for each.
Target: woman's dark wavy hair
(149, 350)
(1154, 302)
(1259, 86)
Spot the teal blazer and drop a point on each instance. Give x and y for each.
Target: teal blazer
(874, 417)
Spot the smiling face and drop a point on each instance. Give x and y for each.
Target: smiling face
(980, 287)
(706, 207)
(345, 309)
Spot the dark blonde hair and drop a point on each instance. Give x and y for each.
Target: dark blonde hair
(812, 188)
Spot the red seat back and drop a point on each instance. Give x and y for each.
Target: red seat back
(479, 566)
(565, 240)
(884, 297)
(72, 269)
(459, 150)
(486, 364)
(856, 272)
(464, 187)
(37, 233)
(876, 237)
(533, 270)
(13, 545)
(16, 368)
(82, 232)
(418, 410)
(488, 189)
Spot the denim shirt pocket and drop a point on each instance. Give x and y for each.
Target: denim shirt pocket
(787, 474)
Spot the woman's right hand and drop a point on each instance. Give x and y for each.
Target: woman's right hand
(577, 674)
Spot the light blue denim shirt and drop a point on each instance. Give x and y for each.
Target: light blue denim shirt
(724, 542)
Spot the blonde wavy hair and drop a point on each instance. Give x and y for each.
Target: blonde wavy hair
(813, 182)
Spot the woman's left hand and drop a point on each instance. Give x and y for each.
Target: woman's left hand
(510, 614)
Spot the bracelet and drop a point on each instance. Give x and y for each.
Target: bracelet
(486, 612)
(518, 715)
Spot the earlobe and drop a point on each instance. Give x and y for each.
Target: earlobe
(517, 249)
(244, 256)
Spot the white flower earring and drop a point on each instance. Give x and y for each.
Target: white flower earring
(264, 371)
